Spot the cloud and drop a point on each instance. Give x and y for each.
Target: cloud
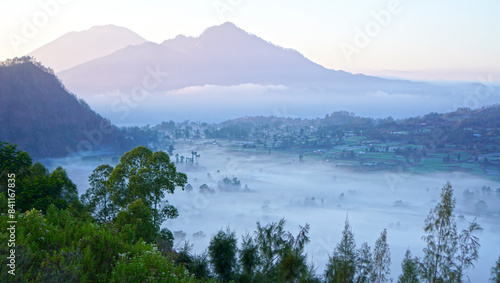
(241, 88)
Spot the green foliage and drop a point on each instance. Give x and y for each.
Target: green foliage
(200, 266)
(165, 239)
(282, 256)
(249, 257)
(149, 266)
(58, 247)
(69, 192)
(448, 254)
(58, 241)
(40, 189)
(364, 264)
(100, 249)
(441, 239)
(342, 265)
(495, 272)
(12, 161)
(139, 217)
(146, 175)
(98, 198)
(222, 251)
(410, 270)
(381, 259)
(468, 248)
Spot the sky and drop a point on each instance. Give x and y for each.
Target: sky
(430, 40)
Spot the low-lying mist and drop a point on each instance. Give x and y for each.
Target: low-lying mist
(323, 194)
(218, 103)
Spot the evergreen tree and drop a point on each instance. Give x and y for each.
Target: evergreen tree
(364, 264)
(441, 239)
(342, 265)
(248, 258)
(222, 251)
(410, 269)
(447, 254)
(282, 255)
(292, 264)
(495, 272)
(200, 266)
(381, 259)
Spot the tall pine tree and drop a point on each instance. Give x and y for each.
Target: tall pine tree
(495, 272)
(364, 265)
(410, 269)
(381, 259)
(342, 265)
(447, 254)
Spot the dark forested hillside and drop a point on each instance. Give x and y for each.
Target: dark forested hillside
(43, 118)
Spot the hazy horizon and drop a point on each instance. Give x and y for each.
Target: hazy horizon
(142, 63)
(353, 37)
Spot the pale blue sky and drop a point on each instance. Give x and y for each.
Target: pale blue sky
(425, 39)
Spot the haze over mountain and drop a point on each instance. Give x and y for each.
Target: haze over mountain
(228, 73)
(75, 48)
(223, 55)
(39, 115)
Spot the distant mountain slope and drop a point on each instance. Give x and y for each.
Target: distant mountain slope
(221, 55)
(75, 48)
(39, 115)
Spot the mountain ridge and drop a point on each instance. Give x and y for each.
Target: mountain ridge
(40, 116)
(82, 46)
(222, 55)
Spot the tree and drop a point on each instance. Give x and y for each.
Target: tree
(98, 196)
(410, 269)
(138, 217)
(64, 185)
(292, 264)
(12, 161)
(447, 254)
(341, 267)
(40, 189)
(364, 265)
(468, 248)
(495, 272)
(161, 176)
(222, 251)
(441, 239)
(381, 259)
(200, 266)
(249, 258)
(282, 255)
(146, 175)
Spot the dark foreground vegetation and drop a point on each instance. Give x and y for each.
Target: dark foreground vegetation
(112, 234)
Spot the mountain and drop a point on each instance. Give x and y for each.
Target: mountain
(39, 115)
(75, 48)
(227, 72)
(222, 55)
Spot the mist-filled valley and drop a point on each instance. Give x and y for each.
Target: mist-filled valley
(322, 193)
(243, 174)
(187, 145)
